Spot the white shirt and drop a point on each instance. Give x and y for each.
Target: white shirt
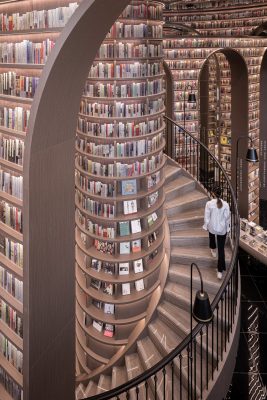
(217, 220)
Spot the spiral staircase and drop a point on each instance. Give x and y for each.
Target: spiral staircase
(170, 325)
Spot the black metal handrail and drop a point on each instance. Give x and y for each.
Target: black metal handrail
(196, 158)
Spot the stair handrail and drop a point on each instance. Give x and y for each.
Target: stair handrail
(235, 232)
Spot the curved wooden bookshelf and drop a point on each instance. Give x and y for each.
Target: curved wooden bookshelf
(135, 271)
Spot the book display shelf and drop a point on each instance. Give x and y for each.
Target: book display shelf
(28, 31)
(232, 18)
(190, 54)
(119, 189)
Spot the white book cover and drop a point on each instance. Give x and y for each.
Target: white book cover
(130, 207)
(125, 248)
(138, 266)
(109, 308)
(126, 289)
(136, 226)
(124, 268)
(139, 285)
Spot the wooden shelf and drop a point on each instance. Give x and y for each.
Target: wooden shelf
(14, 268)
(11, 335)
(11, 370)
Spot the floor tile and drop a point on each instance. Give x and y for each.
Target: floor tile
(249, 291)
(261, 284)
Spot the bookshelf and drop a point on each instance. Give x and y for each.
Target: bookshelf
(230, 19)
(192, 52)
(119, 188)
(28, 32)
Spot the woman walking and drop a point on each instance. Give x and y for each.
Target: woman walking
(217, 223)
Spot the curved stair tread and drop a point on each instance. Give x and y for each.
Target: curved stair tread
(149, 356)
(180, 273)
(190, 233)
(119, 376)
(187, 199)
(171, 172)
(163, 337)
(176, 183)
(91, 389)
(187, 215)
(104, 384)
(201, 255)
(134, 368)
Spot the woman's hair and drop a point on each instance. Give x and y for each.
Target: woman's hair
(217, 192)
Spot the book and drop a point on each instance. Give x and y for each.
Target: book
(151, 238)
(124, 268)
(130, 207)
(124, 228)
(125, 248)
(108, 288)
(98, 325)
(136, 226)
(96, 284)
(109, 330)
(136, 245)
(96, 264)
(152, 198)
(126, 289)
(128, 187)
(109, 268)
(105, 247)
(153, 179)
(152, 218)
(138, 266)
(97, 304)
(139, 285)
(109, 308)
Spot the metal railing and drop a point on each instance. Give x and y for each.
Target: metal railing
(171, 378)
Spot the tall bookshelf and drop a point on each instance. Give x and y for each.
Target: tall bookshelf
(28, 32)
(119, 189)
(231, 18)
(193, 52)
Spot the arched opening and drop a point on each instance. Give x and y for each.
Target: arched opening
(49, 206)
(263, 143)
(230, 118)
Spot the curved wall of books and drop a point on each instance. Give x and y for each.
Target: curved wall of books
(48, 220)
(119, 190)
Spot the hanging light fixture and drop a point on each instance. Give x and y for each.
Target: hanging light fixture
(192, 98)
(252, 155)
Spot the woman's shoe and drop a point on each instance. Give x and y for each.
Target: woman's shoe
(213, 253)
(219, 275)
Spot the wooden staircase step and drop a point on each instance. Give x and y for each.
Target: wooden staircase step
(180, 273)
(134, 368)
(119, 376)
(186, 237)
(185, 202)
(179, 186)
(186, 219)
(171, 172)
(91, 389)
(104, 384)
(200, 255)
(149, 356)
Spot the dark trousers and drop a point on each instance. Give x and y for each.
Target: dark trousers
(221, 243)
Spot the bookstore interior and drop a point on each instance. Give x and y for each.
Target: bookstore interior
(117, 119)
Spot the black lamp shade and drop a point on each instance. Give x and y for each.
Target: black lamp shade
(252, 155)
(202, 310)
(192, 98)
